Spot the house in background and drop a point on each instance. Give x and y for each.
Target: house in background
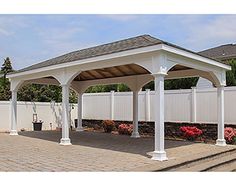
(222, 53)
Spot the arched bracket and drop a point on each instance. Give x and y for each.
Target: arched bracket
(158, 64)
(66, 75)
(219, 78)
(16, 84)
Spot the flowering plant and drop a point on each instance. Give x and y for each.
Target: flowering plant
(191, 133)
(125, 129)
(230, 135)
(108, 125)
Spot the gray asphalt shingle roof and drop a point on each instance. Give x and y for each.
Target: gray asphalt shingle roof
(118, 46)
(114, 47)
(222, 52)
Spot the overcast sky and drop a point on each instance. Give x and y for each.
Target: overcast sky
(29, 39)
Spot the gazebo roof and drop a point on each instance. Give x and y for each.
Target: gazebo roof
(114, 47)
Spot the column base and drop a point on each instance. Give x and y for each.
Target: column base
(13, 133)
(221, 142)
(159, 156)
(135, 135)
(65, 141)
(79, 129)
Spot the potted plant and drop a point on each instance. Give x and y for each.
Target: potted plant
(37, 125)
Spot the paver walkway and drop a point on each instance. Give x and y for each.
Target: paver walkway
(91, 151)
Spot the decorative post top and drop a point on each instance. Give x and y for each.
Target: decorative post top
(220, 86)
(64, 85)
(158, 74)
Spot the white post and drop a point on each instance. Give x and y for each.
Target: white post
(220, 116)
(112, 104)
(80, 109)
(65, 140)
(194, 105)
(135, 133)
(13, 113)
(147, 105)
(159, 151)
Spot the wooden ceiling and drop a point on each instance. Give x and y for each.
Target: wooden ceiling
(118, 71)
(111, 72)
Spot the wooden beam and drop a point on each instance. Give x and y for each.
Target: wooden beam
(100, 73)
(121, 71)
(132, 69)
(90, 73)
(106, 71)
(82, 76)
(109, 70)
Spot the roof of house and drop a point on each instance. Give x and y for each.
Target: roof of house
(114, 47)
(223, 52)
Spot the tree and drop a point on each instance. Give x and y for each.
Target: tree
(231, 75)
(171, 84)
(108, 88)
(5, 69)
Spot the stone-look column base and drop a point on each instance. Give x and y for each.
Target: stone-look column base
(65, 141)
(135, 135)
(13, 133)
(80, 129)
(221, 142)
(159, 156)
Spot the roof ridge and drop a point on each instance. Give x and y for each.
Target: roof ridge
(150, 38)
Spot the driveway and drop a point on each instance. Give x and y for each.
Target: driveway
(91, 151)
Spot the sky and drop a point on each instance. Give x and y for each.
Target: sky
(30, 39)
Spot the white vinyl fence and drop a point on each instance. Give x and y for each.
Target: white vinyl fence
(192, 105)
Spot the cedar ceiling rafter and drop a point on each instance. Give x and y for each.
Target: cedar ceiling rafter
(82, 76)
(100, 73)
(104, 72)
(121, 71)
(91, 74)
(109, 70)
(133, 69)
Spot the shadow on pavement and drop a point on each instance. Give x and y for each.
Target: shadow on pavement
(100, 140)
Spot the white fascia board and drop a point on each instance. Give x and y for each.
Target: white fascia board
(194, 56)
(90, 60)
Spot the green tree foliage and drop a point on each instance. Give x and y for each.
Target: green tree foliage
(108, 88)
(5, 69)
(183, 83)
(231, 75)
(171, 84)
(43, 93)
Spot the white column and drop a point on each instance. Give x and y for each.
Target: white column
(79, 119)
(135, 133)
(220, 116)
(112, 104)
(65, 140)
(147, 105)
(13, 113)
(194, 105)
(159, 151)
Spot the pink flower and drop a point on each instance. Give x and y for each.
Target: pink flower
(190, 132)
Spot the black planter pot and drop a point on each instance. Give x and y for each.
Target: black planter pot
(76, 121)
(37, 126)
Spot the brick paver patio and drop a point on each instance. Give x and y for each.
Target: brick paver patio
(91, 151)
